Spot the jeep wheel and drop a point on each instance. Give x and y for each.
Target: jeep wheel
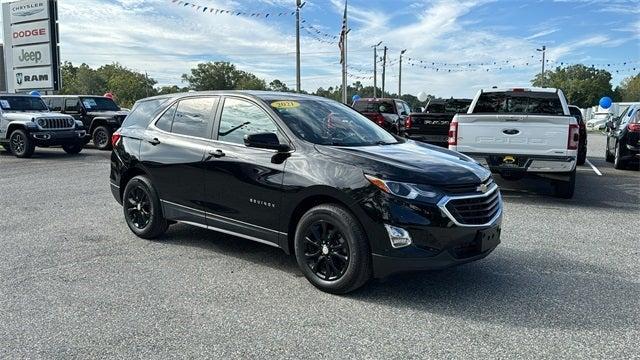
(72, 148)
(332, 250)
(102, 138)
(142, 209)
(20, 144)
(565, 189)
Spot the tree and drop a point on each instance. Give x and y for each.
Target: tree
(629, 89)
(221, 76)
(277, 85)
(173, 89)
(81, 80)
(582, 86)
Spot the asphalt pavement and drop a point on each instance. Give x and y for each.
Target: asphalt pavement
(76, 283)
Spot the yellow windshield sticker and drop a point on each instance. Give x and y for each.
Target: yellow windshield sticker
(285, 104)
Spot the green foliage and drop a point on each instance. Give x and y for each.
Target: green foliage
(127, 85)
(583, 86)
(222, 76)
(629, 89)
(277, 85)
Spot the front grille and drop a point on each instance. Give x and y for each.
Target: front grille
(55, 123)
(467, 188)
(476, 210)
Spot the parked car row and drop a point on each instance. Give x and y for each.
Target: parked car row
(70, 121)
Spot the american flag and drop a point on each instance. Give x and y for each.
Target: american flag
(343, 33)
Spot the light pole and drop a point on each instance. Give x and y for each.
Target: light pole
(375, 69)
(384, 68)
(400, 73)
(299, 5)
(544, 50)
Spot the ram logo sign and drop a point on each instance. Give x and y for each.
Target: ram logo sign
(33, 78)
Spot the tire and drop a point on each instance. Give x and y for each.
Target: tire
(341, 260)
(582, 156)
(607, 155)
(618, 163)
(142, 209)
(72, 149)
(102, 138)
(21, 145)
(565, 189)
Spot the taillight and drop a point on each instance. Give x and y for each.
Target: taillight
(115, 138)
(453, 132)
(634, 127)
(378, 119)
(408, 122)
(574, 137)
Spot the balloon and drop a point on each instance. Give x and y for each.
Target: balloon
(356, 97)
(108, 95)
(34, 93)
(422, 96)
(606, 102)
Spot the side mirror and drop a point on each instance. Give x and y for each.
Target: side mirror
(265, 141)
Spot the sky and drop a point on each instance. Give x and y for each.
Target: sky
(458, 41)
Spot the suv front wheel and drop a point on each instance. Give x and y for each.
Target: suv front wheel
(332, 250)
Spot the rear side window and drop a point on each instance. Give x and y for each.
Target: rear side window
(55, 104)
(142, 113)
(194, 117)
(527, 102)
(166, 120)
(385, 107)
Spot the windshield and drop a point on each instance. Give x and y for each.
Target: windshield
(99, 103)
(22, 103)
(330, 123)
(385, 107)
(453, 106)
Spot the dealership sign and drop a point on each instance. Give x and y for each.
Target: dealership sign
(31, 45)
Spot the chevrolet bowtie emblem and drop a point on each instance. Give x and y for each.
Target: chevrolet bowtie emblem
(482, 188)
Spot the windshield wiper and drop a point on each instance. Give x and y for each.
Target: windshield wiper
(385, 143)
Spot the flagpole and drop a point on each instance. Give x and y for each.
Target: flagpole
(344, 55)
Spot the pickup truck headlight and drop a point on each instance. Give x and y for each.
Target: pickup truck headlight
(403, 190)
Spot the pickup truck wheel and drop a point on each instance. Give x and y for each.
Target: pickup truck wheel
(142, 209)
(618, 163)
(72, 149)
(565, 189)
(102, 138)
(332, 250)
(21, 145)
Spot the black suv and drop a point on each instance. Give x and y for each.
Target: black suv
(307, 175)
(100, 115)
(623, 139)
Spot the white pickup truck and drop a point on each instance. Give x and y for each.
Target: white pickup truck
(520, 131)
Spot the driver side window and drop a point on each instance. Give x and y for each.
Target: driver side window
(240, 118)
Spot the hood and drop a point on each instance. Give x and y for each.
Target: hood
(108, 113)
(411, 162)
(28, 116)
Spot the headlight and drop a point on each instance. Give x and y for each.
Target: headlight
(403, 190)
(41, 122)
(70, 122)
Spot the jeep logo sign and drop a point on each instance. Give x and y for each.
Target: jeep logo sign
(31, 55)
(28, 10)
(32, 78)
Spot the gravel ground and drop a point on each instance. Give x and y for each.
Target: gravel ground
(75, 282)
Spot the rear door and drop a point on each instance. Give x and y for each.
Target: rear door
(527, 123)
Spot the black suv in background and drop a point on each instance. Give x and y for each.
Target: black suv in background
(582, 143)
(100, 115)
(387, 113)
(623, 139)
(432, 125)
(307, 175)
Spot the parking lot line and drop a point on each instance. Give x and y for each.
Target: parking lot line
(595, 169)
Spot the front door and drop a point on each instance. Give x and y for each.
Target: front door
(243, 186)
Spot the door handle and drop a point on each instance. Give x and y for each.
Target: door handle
(217, 153)
(154, 141)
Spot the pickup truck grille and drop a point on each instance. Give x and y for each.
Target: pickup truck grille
(476, 210)
(55, 123)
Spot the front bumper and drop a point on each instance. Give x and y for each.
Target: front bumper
(59, 137)
(438, 239)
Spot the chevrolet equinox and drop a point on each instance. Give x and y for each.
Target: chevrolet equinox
(307, 175)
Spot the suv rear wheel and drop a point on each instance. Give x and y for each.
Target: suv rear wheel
(142, 209)
(332, 250)
(102, 138)
(20, 144)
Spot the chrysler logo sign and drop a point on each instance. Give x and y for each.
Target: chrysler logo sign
(28, 9)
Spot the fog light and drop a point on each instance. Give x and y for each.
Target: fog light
(399, 237)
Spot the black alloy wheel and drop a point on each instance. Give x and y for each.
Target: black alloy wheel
(102, 138)
(326, 251)
(142, 209)
(20, 144)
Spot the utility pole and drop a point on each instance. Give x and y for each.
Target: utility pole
(544, 50)
(384, 68)
(299, 5)
(375, 69)
(400, 73)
